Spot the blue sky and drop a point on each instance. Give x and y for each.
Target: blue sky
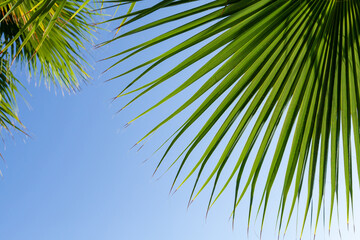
(78, 178)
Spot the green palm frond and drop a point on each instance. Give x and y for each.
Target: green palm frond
(276, 59)
(48, 38)
(8, 89)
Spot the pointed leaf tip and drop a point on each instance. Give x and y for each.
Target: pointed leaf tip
(155, 172)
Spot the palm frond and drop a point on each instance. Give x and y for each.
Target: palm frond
(49, 35)
(276, 59)
(8, 89)
(48, 38)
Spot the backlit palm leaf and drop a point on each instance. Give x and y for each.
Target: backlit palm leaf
(8, 89)
(290, 59)
(49, 36)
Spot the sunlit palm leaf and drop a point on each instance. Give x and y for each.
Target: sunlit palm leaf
(8, 89)
(48, 37)
(296, 60)
(51, 35)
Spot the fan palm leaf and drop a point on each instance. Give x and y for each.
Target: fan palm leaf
(273, 59)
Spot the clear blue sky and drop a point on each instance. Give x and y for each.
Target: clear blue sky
(76, 177)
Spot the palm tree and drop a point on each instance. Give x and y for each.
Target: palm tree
(273, 59)
(292, 64)
(47, 37)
